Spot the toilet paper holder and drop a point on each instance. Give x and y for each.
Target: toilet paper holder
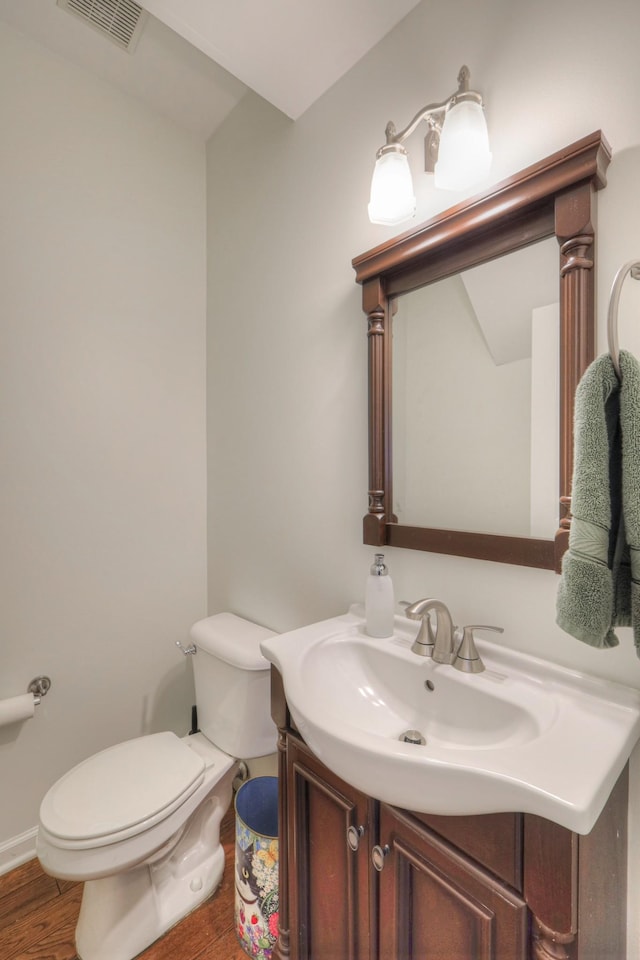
(14, 710)
(39, 687)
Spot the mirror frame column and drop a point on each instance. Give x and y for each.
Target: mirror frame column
(575, 230)
(376, 306)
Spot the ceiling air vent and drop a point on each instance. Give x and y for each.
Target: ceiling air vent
(119, 20)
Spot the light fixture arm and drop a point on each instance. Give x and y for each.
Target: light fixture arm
(428, 113)
(433, 113)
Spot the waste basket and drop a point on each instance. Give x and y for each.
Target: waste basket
(256, 866)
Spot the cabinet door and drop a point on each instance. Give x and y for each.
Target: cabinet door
(328, 881)
(435, 904)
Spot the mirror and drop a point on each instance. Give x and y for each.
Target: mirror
(475, 397)
(480, 325)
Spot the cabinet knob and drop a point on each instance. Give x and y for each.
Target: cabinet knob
(378, 854)
(353, 837)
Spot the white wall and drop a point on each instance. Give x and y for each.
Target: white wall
(287, 345)
(102, 433)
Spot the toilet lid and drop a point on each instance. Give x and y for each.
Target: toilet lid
(126, 785)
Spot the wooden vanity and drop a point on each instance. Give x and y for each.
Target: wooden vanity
(506, 886)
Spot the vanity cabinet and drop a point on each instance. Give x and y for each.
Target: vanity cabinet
(329, 883)
(504, 886)
(435, 902)
(428, 900)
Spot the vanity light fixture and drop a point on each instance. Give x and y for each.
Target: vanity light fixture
(456, 152)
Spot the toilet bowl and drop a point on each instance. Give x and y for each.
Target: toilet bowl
(139, 822)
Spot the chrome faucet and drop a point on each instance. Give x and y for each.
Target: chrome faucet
(439, 647)
(450, 645)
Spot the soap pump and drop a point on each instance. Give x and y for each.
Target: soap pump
(378, 600)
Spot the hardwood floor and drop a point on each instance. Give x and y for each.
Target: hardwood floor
(38, 917)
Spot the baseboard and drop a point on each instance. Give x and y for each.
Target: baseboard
(17, 850)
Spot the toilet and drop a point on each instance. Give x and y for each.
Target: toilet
(139, 822)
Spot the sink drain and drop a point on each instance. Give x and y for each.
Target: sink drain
(412, 736)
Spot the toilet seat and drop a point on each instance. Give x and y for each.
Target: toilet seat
(121, 791)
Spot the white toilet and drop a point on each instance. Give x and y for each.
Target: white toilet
(140, 821)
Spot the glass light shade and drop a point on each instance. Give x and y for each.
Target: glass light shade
(464, 157)
(392, 199)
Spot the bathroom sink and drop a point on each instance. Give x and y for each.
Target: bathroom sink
(524, 735)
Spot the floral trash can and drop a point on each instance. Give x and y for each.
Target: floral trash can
(256, 866)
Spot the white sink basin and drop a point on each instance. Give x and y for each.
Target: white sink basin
(525, 735)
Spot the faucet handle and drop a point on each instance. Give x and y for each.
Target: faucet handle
(424, 642)
(467, 657)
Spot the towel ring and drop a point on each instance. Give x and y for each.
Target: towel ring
(632, 267)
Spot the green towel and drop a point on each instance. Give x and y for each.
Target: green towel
(600, 581)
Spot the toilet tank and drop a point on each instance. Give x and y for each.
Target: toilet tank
(233, 687)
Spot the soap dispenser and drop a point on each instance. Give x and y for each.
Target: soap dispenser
(378, 600)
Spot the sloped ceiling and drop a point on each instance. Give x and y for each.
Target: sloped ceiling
(505, 292)
(288, 51)
(196, 58)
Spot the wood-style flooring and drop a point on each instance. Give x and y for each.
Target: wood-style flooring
(38, 917)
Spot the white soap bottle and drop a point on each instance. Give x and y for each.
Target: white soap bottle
(379, 602)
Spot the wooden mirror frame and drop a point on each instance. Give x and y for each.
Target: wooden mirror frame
(553, 197)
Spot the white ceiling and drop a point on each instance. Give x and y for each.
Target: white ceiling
(196, 58)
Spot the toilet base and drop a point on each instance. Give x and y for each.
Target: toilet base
(122, 915)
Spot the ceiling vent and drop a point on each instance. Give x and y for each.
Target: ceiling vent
(119, 20)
